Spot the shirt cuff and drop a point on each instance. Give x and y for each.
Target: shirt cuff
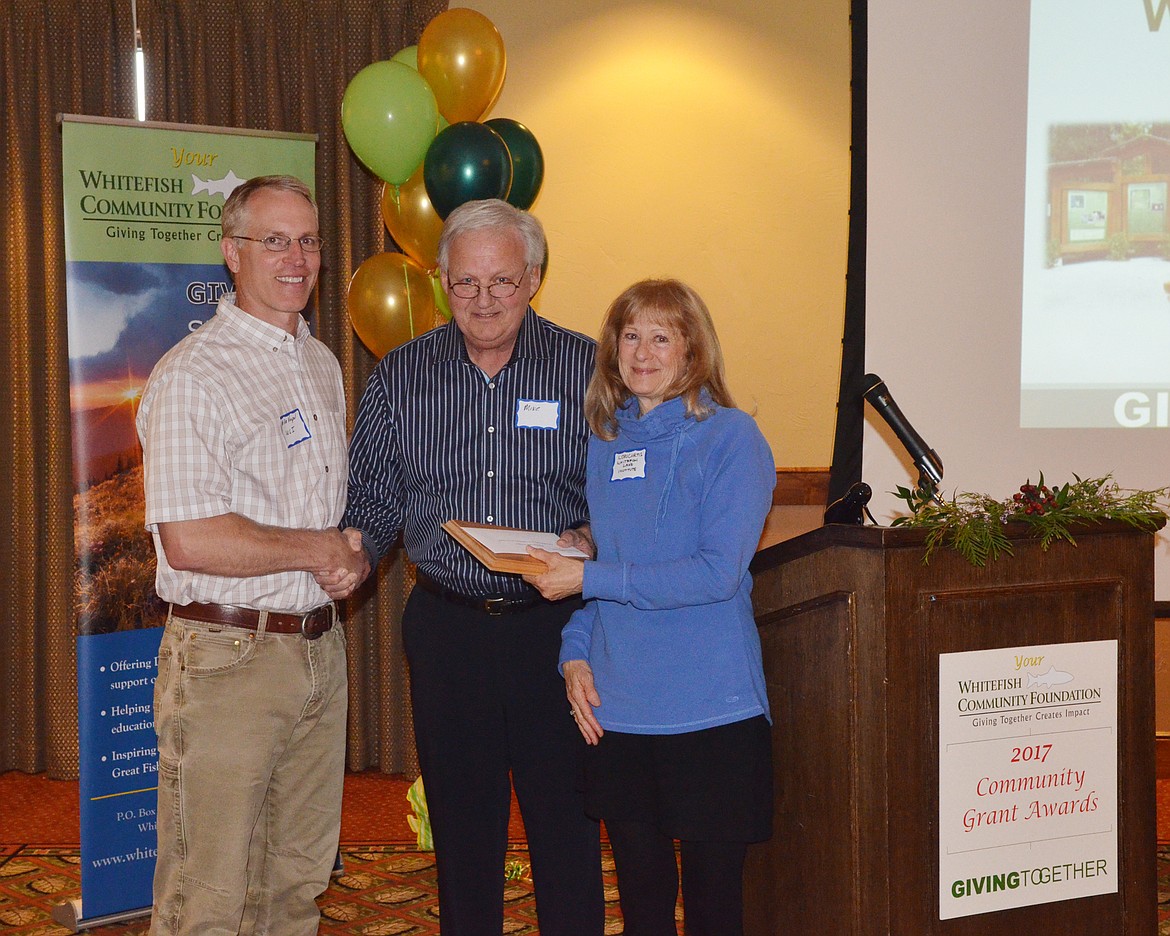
(605, 580)
(574, 643)
(371, 549)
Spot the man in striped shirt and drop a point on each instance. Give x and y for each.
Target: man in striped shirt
(481, 420)
(243, 434)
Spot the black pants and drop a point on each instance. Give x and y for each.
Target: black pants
(648, 879)
(710, 789)
(488, 702)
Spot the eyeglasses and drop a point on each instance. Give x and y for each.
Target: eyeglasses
(278, 243)
(499, 289)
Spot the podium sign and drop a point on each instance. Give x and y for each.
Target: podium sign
(1027, 793)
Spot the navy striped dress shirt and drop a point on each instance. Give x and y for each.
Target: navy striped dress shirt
(436, 440)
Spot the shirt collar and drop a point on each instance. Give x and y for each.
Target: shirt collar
(253, 329)
(531, 341)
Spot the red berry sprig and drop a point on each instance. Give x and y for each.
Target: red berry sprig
(1034, 499)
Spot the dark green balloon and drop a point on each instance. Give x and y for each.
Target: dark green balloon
(466, 161)
(527, 160)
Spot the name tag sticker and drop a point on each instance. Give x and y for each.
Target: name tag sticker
(629, 465)
(294, 428)
(538, 414)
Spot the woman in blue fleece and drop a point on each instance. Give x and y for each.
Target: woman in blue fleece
(662, 666)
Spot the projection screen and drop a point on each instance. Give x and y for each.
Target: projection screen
(1018, 243)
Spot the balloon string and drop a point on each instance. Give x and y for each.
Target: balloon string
(409, 304)
(397, 204)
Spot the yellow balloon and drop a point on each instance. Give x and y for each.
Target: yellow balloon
(461, 55)
(390, 301)
(411, 219)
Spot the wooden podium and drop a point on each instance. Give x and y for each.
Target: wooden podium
(852, 624)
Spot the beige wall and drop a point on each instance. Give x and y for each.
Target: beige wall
(704, 140)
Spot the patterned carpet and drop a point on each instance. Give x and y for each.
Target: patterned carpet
(387, 890)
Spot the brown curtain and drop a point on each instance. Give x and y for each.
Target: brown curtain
(279, 65)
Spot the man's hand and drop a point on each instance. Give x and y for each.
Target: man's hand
(346, 565)
(563, 578)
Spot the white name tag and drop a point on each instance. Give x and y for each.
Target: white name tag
(629, 465)
(294, 428)
(538, 414)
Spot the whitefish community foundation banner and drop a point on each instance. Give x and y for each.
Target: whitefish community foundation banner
(142, 209)
(1028, 802)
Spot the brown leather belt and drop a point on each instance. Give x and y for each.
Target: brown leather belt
(310, 625)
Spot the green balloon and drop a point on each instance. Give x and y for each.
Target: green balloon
(407, 56)
(466, 162)
(389, 117)
(441, 302)
(527, 160)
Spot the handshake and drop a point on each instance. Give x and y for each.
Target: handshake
(344, 563)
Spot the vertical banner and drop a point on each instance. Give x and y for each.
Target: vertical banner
(143, 268)
(1027, 776)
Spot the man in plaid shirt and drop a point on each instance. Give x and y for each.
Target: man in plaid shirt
(243, 433)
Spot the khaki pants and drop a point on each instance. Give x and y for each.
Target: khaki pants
(251, 741)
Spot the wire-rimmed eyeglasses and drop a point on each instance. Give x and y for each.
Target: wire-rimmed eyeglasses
(497, 289)
(278, 243)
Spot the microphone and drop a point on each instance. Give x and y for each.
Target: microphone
(926, 460)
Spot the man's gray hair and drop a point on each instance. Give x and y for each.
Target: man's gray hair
(494, 213)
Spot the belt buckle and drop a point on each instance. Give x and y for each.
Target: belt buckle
(305, 619)
(495, 606)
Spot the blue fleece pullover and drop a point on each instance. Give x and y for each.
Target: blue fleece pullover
(677, 506)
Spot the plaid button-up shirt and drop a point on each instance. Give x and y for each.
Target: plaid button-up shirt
(242, 417)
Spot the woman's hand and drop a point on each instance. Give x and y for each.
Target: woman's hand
(583, 699)
(563, 578)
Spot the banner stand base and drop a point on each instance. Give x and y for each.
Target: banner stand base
(68, 914)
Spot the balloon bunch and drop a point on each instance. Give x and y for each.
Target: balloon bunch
(414, 121)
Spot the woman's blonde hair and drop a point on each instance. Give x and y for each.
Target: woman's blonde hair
(671, 304)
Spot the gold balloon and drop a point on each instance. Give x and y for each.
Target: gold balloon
(411, 219)
(461, 55)
(390, 301)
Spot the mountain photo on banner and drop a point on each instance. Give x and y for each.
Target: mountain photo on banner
(134, 312)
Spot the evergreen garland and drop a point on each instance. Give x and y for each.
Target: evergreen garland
(974, 524)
